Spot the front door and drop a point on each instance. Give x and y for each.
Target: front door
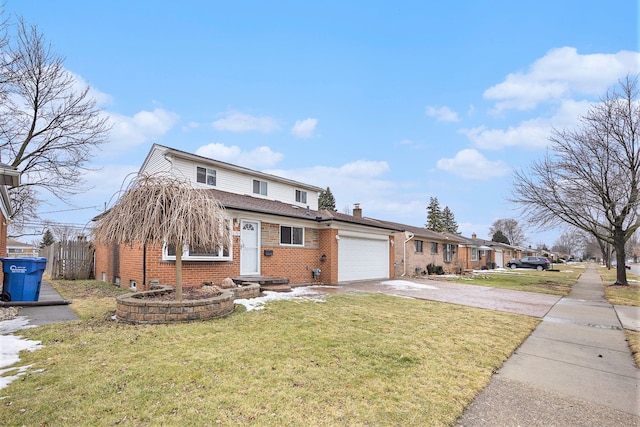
(249, 247)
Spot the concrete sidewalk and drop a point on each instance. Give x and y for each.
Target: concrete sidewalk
(575, 369)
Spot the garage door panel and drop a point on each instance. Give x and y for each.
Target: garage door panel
(362, 259)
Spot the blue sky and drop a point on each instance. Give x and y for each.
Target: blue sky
(386, 103)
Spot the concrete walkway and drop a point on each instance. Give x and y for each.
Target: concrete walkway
(43, 315)
(575, 369)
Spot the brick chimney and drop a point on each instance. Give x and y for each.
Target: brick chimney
(357, 211)
(473, 236)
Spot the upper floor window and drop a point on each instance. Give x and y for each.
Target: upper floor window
(206, 176)
(301, 196)
(418, 244)
(259, 187)
(434, 247)
(291, 235)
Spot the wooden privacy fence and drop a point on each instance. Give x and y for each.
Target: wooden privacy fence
(69, 259)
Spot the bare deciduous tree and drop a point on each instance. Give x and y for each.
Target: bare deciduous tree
(49, 124)
(162, 209)
(570, 242)
(511, 230)
(590, 177)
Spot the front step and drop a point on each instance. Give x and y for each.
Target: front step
(276, 288)
(267, 283)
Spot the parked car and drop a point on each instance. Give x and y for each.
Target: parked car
(538, 262)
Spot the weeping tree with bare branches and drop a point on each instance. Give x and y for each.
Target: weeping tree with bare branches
(161, 209)
(590, 178)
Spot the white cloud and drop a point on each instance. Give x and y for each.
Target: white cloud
(562, 73)
(240, 122)
(471, 164)
(140, 128)
(530, 134)
(79, 84)
(360, 181)
(442, 114)
(304, 128)
(258, 158)
(191, 125)
(364, 169)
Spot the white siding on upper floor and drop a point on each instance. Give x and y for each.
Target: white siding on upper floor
(228, 180)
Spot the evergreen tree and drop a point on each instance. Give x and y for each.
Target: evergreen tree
(434, 215)
(499, 237)
(449, 221)
(326, 201)
(47, 239)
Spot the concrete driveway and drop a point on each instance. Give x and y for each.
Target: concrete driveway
(519, 302)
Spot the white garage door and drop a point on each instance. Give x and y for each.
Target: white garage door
(362, 258)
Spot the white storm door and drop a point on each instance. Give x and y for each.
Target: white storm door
(249, 247)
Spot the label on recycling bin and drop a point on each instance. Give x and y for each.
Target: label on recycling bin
(18, 269)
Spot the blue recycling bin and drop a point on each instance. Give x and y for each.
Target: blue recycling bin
(22, 278)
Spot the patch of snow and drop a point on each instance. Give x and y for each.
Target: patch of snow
(401, 285)
(15, 324)
(304, 292)
(11, 346)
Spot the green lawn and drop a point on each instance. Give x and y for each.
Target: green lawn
(351, 360)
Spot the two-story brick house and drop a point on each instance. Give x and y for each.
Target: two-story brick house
(276, 231)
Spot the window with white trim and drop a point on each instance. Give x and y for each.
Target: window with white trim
(291, 235)
(474, 254)
(418, 244)
(301, 196)
(206, 176)
(259, 187)
(195, 253)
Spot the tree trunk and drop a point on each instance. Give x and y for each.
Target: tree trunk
(621, 270)
(179, 271)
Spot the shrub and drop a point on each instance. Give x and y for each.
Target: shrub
(435, 269)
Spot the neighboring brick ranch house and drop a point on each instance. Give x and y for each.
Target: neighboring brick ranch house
(277, 231)
(417, 247)
(477, 254)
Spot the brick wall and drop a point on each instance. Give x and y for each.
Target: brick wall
(415, 259)
(294, 263)
(3, 235)
(329, 247)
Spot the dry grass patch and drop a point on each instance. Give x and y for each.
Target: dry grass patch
(530, 280)
(633, 338)
(90, 298)
(354, 360)
(620, 295)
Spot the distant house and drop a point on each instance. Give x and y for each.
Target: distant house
(16, 249)
(417, 247)
(276, 231)
(477, 254)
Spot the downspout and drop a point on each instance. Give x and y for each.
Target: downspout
(144, 267)
(409, 236)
